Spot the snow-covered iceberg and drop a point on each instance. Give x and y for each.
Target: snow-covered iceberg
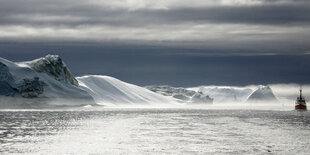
(110, 91)
(43, 82)
(262, 94)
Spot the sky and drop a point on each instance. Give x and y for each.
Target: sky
(166, 42)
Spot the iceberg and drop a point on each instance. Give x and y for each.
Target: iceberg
(262, 94)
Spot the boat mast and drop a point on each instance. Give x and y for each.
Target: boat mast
(300, 92)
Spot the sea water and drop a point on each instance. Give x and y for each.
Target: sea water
(154, 131)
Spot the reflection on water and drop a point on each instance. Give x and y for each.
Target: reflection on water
(155, 131)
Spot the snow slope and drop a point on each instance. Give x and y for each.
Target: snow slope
(22, 85)
(110, 91)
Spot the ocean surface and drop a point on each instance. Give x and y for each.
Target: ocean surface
(154, 131)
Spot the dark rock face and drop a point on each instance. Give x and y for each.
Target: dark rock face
(179, 93)
(7, 89)
(181, 97)
(54, 66)
(5, 75)
(262, 94)
(199, 97)
(171, 91)
(31, 88)
(6, 81)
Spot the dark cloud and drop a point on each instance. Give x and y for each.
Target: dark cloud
(283, 14)
(71, 13)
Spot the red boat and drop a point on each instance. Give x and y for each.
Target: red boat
(300, 102)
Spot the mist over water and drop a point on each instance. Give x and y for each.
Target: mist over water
(185, 130)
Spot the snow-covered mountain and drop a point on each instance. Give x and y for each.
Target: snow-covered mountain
(47, 82)
(110, 91)
(262, 94)
(42, 82)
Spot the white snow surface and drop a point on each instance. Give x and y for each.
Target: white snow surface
(107, 90)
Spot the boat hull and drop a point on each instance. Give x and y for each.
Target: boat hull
(300, 107)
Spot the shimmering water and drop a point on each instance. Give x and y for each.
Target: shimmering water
(155, 131)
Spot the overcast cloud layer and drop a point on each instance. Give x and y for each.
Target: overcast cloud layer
(257, 26)
(173, 42)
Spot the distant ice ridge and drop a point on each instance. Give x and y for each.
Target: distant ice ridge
(182, 94)
(217, 94)
(110, 91)
(260, 94)
(42, 82)
(226, 94)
